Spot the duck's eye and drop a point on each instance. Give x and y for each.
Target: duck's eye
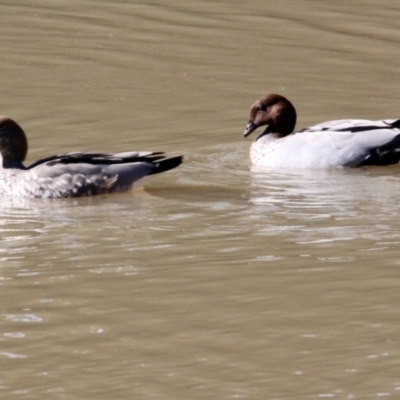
(263, 108)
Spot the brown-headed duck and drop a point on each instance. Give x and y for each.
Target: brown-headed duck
(339, 143)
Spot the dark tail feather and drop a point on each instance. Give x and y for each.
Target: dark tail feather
(388, 154)
(396, 124)
(167, 164)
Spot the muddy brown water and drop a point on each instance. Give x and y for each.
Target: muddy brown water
(218, 280)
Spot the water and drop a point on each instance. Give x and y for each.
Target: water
(218, 280)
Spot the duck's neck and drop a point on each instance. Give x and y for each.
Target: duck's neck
(11, 164)
(270, 132)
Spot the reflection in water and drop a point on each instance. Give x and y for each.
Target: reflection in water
(330, 204)
(335, 188)
(38, 234)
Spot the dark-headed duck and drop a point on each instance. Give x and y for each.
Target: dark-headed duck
(73, 174)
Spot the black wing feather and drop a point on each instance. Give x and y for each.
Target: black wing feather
(97, 158)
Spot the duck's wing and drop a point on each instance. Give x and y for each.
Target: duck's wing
(374, 142)
(99, 158)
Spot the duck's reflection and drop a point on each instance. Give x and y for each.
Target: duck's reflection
(328, 204)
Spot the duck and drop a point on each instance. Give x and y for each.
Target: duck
(331, 144)
(74, 174)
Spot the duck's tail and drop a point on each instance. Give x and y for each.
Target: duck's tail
(388, 154)
(167, 164)
(396, 124)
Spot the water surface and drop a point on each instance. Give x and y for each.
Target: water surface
(218, 280)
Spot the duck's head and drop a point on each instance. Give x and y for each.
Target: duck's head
(275, 111)
(13, 143)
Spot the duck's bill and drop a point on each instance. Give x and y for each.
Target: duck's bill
(250, 127)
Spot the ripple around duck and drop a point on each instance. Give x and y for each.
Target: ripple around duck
(214, 197)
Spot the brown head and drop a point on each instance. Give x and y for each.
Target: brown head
(13, 143)
(275, 111)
